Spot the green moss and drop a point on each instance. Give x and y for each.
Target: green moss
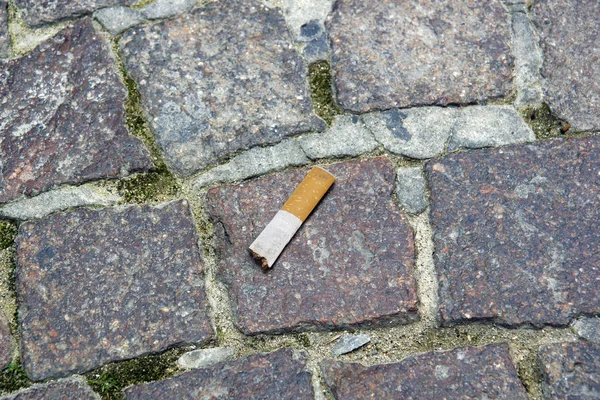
(142, 3)
(530, 374)
(142, 188)
(13, 378)
(321, 92)
(8, 233)
(543, 123)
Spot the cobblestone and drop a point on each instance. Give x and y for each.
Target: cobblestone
(38, 13)
(96, 286)
(205, 357)
(118, 19)
(167, 8)
(278, 375)
(4, 36)
(410, 189)
(516, 238)
(69, 388)
(588, 328)
(77, 133)
(222, 78)
(6, 342)
(467, 372)
(350, 263)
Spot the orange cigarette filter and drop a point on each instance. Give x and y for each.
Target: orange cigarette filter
(272, 240)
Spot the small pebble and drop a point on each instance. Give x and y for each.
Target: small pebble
(348, 343)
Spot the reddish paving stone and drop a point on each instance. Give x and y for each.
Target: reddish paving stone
(4, 37)
(62, 116)
(6, 342)
(570, 370)
(64, 389)
(349, 264)
(401, 53)
(465, 373)
(96, 286)
(278, 375)
(569, 34)
(516, 236)
(40, 12)
(219, 79)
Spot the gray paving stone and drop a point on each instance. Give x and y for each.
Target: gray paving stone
(6, 342)
(4, 36)
(417, 132)
(96, 286)
(348, 343)
(167, 8)
(64, 123)
(222, 78)
(205, 357)
(74, 387)
(38, 12)
(410, 189)
(300, 13)
(349, 264)
(516, 233)
(468, 372)
(118, 19)
(404, 53)
(570, 370)
(588, 328)
(569, 33)
(278, 375)
(348, 136)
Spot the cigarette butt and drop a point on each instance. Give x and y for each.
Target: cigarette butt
(277, 234)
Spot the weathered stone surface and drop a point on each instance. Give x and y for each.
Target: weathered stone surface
(570, 370)
(410, 189)
(205, 357)
(402, 53)
(350, 263)
(167, 8)
(348, 343)
(74, 387)
(588, 328)
(38, 12)
(278, 375)
(348, 136)
(62, 116)
(96, 286)
(119, 19)
(222, 78)
(6, 342)
(468, 372)
(302, 13)
(516, 232)
(569, 33)
(4, 36)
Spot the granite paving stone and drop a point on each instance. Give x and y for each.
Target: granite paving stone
(37, 13)
(516, 232)
(411, 189)
(118, 19)
(167, 8)
(62, 116)
(401, 53)
(222, 78)
(588, 328)
(4, 36)
(278, 375)
(569, 34)
(6, 342)
(570, 370)
(205, 357)
(96, 286)
(74, 387)
(349, 264)
(466, 373)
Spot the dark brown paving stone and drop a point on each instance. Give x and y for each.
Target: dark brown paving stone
(278, 375)
(570, 370)
(349, 264)
(6, 342)
(569, 35)
(516, 236)
(96, 286)
(401, 53)
(40, 12)
(465, 373)
(4, 37)
(64, 389)
(62, 116)
(222, 78)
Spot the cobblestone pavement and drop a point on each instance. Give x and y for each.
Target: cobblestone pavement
(145, 144)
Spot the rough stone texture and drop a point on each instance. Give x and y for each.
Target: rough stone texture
(588, 328)
(466, 373)
(570, 370)
(303, 13)
(255, 162)
(96, 286)
(350, 263)
(222, 78)
(4, 37)
(348, 343)
(402, 53)
(205, 357)
(167, 8)
(58, 200)
(569, 33)
(417, 133)
(347, 137)
(278, 375)
(480, 126)
(65, 122)
(410, 189)
(40, 12)
(6, 342)
(75, 387)
(516, 232)
(118, 19)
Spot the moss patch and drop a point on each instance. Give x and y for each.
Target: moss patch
(8, 233)
(8, 300)
(143, 188)
(543, 123)
(321, 93)
(13, 378)
(530, 374)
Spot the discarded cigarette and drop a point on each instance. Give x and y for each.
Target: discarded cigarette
(277, 234)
